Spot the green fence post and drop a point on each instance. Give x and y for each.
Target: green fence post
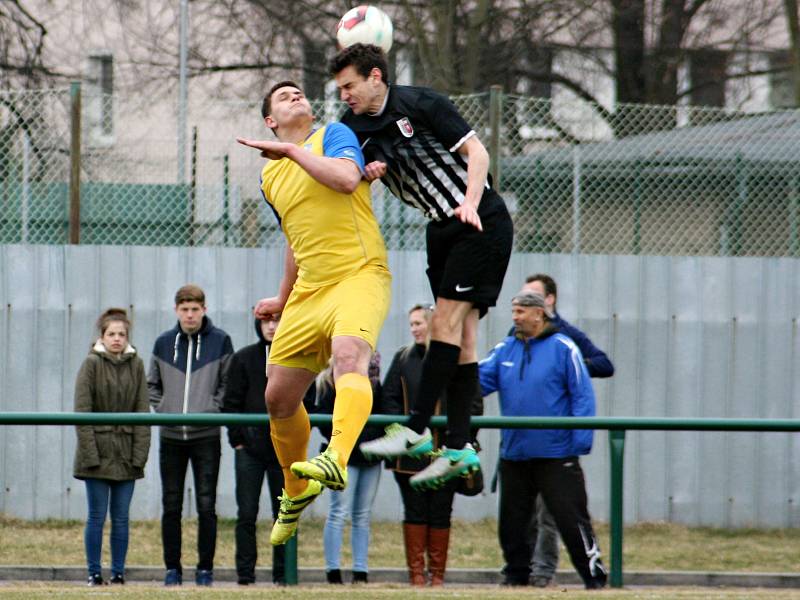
(616, 444)
(225, 197)
(290, 561)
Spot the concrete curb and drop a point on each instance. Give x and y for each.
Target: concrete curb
(454, 576)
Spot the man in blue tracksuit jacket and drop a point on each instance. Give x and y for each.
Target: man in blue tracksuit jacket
(543, 528)
(540, 372)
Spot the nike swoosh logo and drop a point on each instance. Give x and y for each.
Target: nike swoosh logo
(463, 289)
(364, 330)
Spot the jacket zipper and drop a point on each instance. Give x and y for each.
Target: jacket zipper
(526, 358)
(186, 385)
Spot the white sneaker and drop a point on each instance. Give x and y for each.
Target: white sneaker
(448, 465)
(399, 441)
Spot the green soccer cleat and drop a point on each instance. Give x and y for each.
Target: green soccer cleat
(325, 469)
(399, 441)
(289, 513)
(448, 465)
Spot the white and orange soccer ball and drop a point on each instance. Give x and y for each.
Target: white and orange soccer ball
(365, 25)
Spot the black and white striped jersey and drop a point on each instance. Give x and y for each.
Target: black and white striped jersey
(417, 135)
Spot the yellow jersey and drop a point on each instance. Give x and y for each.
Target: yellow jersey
(333, 234)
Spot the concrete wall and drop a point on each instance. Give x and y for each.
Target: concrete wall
(690, 337)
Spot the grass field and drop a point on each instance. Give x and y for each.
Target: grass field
(387, 592)
(648, 547)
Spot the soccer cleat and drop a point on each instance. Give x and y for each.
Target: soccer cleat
(399, 441)
(324, 468)
(289, 513)
(448, 465)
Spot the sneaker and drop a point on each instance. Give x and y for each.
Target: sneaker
(173, 577)
(448, 465)
(399, 441)
(324, 468)
(360, 577)
(542, 581)
(95, 579)
(286, 523)
(117, 579)
(204, 577)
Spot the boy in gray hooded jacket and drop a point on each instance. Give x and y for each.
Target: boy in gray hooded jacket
(187, 375)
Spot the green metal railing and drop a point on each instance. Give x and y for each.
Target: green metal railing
(616, 426)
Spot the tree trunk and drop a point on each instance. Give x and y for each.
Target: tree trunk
(793, 23)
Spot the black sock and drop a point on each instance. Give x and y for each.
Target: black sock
(463, 399)
(438, 367)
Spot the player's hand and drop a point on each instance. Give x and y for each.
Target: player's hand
(267, 308)
(374, 170)
(469, 214)
(269, 149)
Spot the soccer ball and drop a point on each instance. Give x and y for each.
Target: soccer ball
(366, 25)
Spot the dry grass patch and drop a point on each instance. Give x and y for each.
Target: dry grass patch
(648, 547)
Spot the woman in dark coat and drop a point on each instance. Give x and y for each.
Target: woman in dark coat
(110, 458)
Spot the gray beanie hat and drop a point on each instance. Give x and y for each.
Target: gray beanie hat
(528, 298)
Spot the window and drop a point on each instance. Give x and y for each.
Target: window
(99, 97)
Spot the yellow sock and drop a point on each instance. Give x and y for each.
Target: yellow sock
(350, 412)
(290, 438)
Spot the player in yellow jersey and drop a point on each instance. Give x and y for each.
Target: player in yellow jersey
(333, 296)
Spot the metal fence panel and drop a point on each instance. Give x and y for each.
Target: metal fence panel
(578, 178)
(705, 337)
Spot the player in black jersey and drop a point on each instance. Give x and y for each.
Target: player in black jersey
(418, 144)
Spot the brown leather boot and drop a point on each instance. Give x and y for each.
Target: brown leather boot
(415, 538)
(438, 542)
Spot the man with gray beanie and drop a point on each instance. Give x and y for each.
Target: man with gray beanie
(540, 372)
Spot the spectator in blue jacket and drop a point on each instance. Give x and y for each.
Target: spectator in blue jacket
(597, 362)
(543, 529)
(540, 372)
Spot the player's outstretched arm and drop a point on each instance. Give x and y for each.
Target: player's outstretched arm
(341, 175)
(477, 170)
(267, 307)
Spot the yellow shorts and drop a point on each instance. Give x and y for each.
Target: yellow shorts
(312, 317)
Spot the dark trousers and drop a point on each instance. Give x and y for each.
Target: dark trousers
(426, 507)
(250, 472)
(174, 458)
(561, 483)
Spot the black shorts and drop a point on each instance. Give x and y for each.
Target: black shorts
(467, 264)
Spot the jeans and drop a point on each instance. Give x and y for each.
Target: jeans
(426, 507)
(174, 457)
(249, 480)
(98, 492)
(545, 533)
(355, 501)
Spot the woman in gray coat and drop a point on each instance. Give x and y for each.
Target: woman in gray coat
(110, 458)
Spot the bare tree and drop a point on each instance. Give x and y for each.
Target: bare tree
(22, 47)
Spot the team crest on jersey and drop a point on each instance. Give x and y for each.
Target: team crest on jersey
(405, 127)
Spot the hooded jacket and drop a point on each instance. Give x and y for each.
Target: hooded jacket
(540, 377)
(187, 375)
(107, 383)
(597, 362)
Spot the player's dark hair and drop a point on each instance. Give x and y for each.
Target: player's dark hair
(266, 105)
(364, 58)
(548, 282)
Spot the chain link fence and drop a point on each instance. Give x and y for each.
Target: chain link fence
(576, 177)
